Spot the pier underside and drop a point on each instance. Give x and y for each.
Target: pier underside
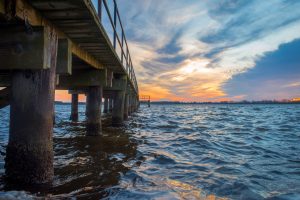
(49, 45)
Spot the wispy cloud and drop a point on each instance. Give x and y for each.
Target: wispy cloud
(291, 85)
(187, 50)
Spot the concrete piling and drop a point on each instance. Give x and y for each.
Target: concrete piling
(94, 100)
(74, 108)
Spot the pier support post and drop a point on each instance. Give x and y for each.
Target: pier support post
(126, 106)
(74, 108)
(129, 105)
(105, 105)
(120, 85)
(110, 104)
(133, 104)
(118, 108)
(29, 153)
(94, 100)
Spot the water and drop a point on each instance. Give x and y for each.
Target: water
(177, 152)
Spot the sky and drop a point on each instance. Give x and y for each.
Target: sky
(214, 50)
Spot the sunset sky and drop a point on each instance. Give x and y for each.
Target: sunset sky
(212, 50)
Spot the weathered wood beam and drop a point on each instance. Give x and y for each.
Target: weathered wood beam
(118, 84)
(83, 78)
(20, 50)
(110, 75)
(82, 91)
(85, 56)
(54, 4)
(2, 6)
(4, 97)
(35, 18)
(64, 57)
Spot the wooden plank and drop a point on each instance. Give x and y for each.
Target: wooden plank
(55, 4)
(36, 19)
(82, 35)
(20, 50)
(77, 91)
(88, 58)
(80, 29)
(65, 14)
(2, 7)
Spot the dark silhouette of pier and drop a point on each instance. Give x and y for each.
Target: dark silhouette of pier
(59, 44)
(145, 99)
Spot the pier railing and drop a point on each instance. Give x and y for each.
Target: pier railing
(109, 9)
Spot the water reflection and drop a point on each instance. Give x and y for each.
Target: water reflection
(85, 166)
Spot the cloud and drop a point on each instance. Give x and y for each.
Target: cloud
(272, 77)
(188, 50)
(291, 85)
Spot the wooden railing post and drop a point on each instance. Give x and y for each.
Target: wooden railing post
(115, 24)
(122, 44)
(100, 10)
(125, 54)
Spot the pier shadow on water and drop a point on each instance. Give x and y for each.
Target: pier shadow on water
(84, 166)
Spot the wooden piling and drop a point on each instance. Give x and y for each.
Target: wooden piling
(133, 104)
(94, 100)
(105, 110)
(110, 104)
(74, 108)
(129, 105)
(29, 153)
(126, 105)
(118, 108)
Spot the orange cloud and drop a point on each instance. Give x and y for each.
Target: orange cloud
(191, 80)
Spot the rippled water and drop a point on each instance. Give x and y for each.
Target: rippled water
(178, 152)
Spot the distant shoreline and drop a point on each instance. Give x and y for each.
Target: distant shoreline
(216, 103)
(196, 103)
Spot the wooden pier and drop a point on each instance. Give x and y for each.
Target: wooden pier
(59, 44)
(145, 99)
